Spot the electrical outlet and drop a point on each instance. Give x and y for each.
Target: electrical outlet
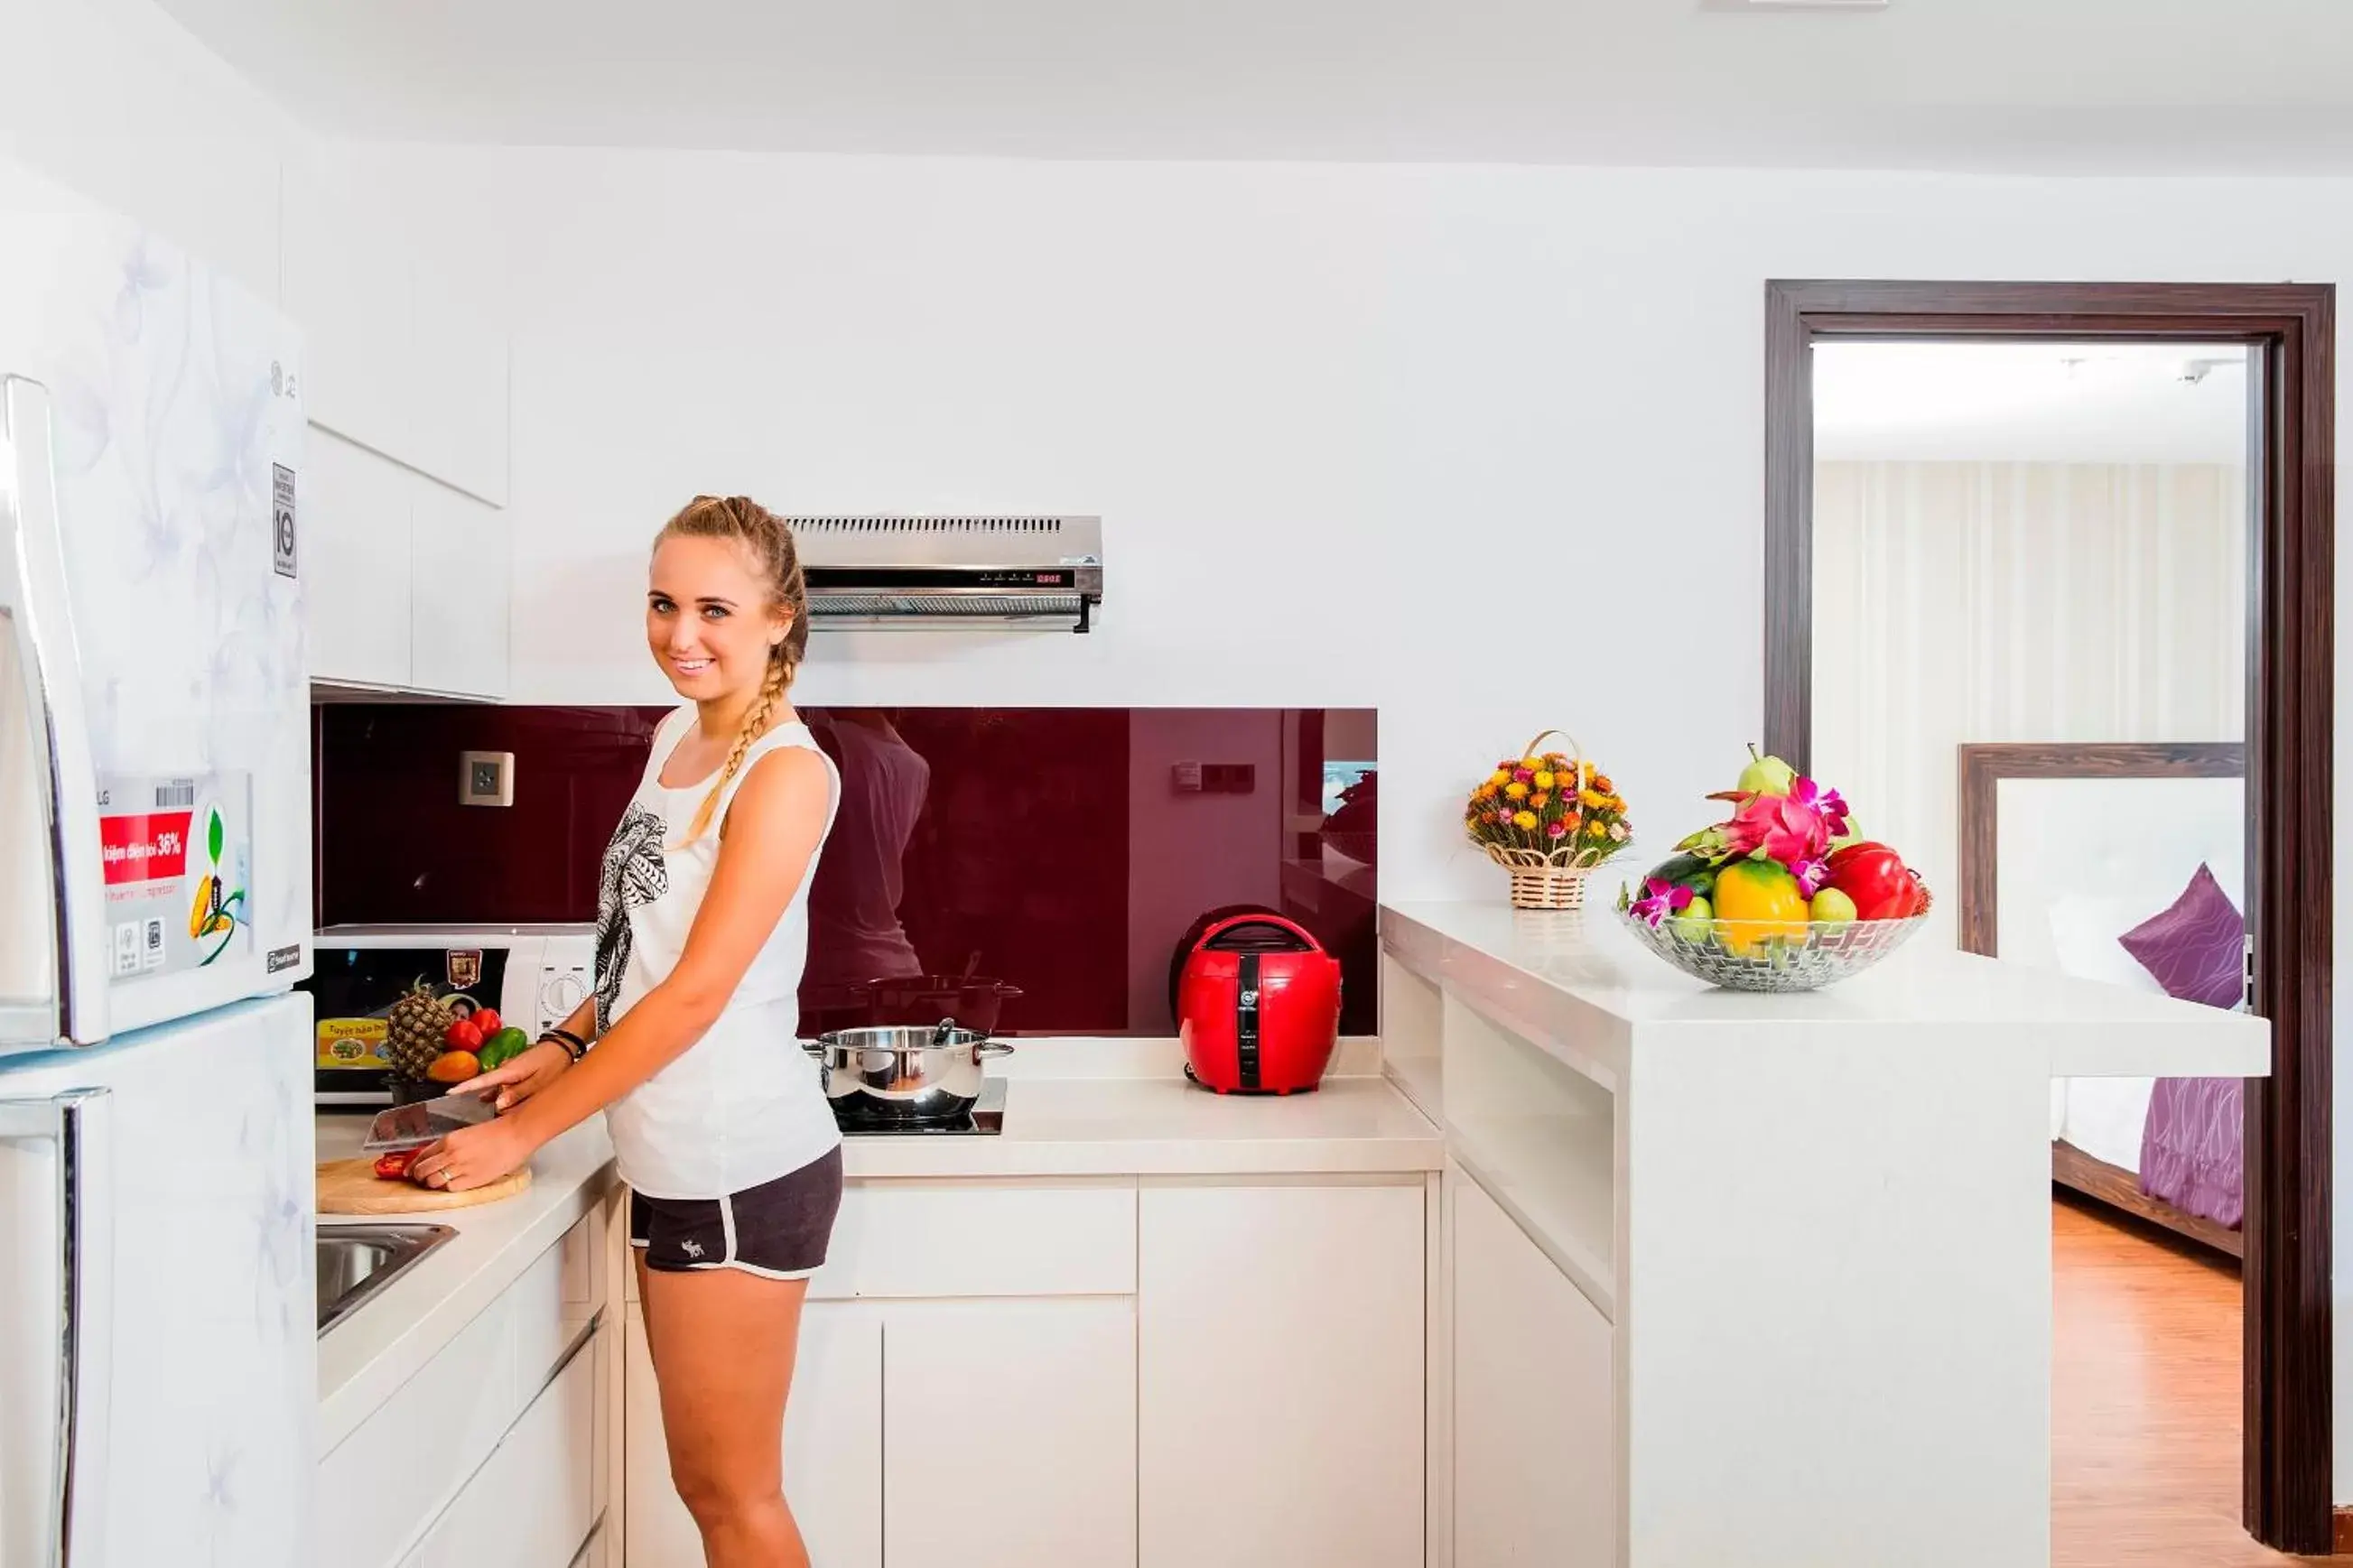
(486, 778)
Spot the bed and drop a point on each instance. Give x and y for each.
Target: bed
(2068, 850)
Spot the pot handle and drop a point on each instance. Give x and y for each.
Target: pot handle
(1235, 922)
(814, 1047)
(992, 1049)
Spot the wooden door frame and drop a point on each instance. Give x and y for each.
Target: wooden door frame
(2286, 1469)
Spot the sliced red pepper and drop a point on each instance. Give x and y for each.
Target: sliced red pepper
(393, 1163)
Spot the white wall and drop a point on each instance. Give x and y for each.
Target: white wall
(115, 99)
(1479, 446)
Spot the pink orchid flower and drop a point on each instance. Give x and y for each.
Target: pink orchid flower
(1827, 801)
(1662, 900)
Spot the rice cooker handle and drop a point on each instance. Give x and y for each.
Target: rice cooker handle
(1235, 922)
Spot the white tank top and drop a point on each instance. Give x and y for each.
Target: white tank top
(744, 1104)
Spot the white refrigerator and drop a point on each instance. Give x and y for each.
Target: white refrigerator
(158, 1367)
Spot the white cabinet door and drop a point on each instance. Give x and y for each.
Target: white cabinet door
(353, 543)
(833, 1446)
(1019, 1421)
(1279, 1375)
(460, 365)
(461, 565)
(346, 285)
(531, 1504)
(1535, 1423)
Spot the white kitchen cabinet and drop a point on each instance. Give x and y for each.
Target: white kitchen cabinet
(531, 1503)
(1534, 1418)
(405, 347)
(460, 569)
(1019, 1421)
(1280, 1367)
(406, 583)
(354, 545)
(833, 1446)
(459, 364)
(345, 282)
(510, 1404)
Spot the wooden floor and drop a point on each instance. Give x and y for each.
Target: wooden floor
(2145, 1401)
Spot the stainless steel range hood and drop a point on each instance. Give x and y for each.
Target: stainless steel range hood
(951, 569)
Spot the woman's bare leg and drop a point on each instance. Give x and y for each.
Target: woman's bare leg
(723, 1343)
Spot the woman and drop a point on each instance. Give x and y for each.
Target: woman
(720, 1127)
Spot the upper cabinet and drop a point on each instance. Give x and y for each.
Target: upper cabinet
(403, 342)
(404, 355)
(457, 363)
(406, 580)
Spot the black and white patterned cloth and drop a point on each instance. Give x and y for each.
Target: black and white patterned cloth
(634, 873)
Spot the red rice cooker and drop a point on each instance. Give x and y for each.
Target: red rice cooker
(1258, 1006)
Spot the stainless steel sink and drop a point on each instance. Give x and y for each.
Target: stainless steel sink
(355, 1261)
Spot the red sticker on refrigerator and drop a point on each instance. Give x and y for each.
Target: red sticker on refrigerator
(176, 856)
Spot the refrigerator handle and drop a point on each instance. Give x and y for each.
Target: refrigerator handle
(80, 1122)
(31, 533)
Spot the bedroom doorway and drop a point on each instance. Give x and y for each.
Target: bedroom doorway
(2050, 565)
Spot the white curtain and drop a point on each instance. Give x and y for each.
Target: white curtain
(1971, 602)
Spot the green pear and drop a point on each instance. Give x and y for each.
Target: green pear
(1766, 775)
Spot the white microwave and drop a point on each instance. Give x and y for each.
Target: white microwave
(534, 975)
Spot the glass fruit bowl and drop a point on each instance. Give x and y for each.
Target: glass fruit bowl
(1771, 955)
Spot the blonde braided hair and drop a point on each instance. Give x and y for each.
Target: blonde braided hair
(770, 543)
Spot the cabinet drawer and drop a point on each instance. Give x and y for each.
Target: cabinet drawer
(976, 1238)
(531, 1504)
(381, 1484)
(963, 1238)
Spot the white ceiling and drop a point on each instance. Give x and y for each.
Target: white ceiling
(2029, 403)
(2046, 85)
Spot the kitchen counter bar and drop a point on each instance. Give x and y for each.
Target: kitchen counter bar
(1818, 1225)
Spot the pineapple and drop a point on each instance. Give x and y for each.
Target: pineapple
(417, 1024)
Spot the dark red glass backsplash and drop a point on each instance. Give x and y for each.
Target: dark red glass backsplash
(1063, 852)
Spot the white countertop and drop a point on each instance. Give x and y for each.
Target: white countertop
(1140, 1126)
(1557, 976)
(1166, 1127)
(389, 1339)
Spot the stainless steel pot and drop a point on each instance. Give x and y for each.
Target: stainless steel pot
(906, 1073)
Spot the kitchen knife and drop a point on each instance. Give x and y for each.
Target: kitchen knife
(424, 1121)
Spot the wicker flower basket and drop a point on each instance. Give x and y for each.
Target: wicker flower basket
(1541, 881)
(1548, 872)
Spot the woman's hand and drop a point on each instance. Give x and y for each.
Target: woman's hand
(520, 1078)
(472, 1157)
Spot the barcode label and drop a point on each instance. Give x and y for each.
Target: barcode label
(171, 796)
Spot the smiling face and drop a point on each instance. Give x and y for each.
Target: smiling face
(710, 617)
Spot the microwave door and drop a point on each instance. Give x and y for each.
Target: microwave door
(52, 967)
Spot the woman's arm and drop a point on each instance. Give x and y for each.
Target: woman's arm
(766, 842)
(536, 1065)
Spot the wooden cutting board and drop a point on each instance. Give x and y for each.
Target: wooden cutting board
(351, 1187)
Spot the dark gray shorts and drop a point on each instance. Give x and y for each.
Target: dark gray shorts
(777, 1230)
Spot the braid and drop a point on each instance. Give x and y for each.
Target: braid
(770, 541)
(756, 721)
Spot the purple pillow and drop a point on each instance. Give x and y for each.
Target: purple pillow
(2197, 949)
